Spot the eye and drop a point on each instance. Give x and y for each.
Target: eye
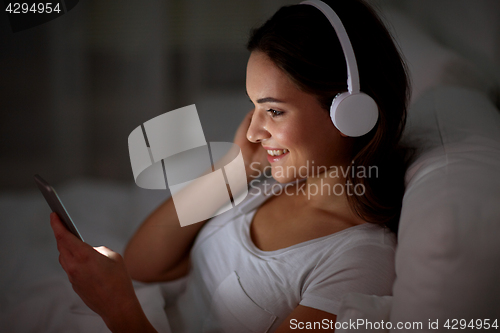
(275, 113)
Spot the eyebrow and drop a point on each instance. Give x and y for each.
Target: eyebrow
(267, 100)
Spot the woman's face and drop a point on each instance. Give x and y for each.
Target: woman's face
(291, 123)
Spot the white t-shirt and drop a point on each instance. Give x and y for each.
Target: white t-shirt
(235, 287)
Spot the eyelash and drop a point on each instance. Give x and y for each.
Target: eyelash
(275, 113)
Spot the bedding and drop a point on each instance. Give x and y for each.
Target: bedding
(450, 222)
(471, 30)
(431, 63)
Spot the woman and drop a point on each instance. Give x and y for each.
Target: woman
(289, 257)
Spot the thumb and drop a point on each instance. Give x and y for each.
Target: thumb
(106, 252)
(103, 250)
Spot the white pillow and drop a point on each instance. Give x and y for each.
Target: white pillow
(430, 63)
(448, 256)
(470, 28)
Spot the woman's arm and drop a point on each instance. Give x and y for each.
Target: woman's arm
(159, 249)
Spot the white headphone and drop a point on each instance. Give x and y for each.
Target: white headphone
(353, 113)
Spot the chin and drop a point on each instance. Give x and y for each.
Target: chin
(286, 173)
(280, 178)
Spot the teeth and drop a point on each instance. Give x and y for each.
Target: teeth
(277, 152)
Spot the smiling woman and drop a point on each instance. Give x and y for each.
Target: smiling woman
(288, 256)
(300, 42)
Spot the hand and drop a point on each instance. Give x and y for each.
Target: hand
(99, 277)
(254, 156)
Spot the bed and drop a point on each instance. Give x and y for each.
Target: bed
(448, 244)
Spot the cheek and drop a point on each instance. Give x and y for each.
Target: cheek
(320, 143)
(287, 136)
(307, 138)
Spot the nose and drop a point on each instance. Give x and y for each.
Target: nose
(257, 130)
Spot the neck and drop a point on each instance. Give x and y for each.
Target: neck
(326, 190)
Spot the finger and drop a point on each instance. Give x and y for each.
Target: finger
(249, 116)
(63, 236)
(67, 263)
(107, 252)
(60, 234)
(57, 228)
(64, 261)
(103, 250)
(246, 120)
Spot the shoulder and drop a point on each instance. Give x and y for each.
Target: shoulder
(373, 235)
(363, 238)
(363, 262)
(361, 253)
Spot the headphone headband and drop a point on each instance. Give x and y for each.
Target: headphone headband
(353, 113)
(345, 43)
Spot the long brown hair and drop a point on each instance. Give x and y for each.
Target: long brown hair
(300, 41)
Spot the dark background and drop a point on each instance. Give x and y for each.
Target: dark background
(72, 89)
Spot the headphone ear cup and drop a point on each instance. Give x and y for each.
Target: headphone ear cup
(354, 114)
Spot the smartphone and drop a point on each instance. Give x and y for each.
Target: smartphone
(56, 205)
